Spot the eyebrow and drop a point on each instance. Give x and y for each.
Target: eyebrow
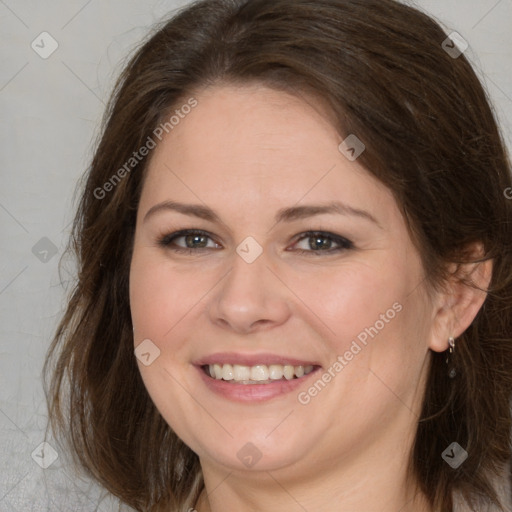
(283, 215)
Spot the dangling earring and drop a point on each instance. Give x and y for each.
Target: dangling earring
(449, 358)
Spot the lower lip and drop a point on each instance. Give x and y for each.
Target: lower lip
(253, 392)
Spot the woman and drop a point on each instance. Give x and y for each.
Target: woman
(295, 285)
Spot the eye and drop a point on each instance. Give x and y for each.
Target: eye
(194, 239)
(321, 242)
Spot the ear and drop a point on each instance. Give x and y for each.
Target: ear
(463, 295)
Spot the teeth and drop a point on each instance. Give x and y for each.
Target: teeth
(241, 372)
(288, 372)
(275, 371)
(227, 372)
(260, 373)
(217, 371)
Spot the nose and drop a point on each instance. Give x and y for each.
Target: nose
(250, 298)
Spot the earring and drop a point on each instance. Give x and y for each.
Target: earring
(449, 357)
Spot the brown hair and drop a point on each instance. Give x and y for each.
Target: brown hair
(430, 136)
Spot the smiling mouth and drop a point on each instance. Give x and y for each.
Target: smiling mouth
(258, 374)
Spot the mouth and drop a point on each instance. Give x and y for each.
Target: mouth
(254, 378)
(257, 374)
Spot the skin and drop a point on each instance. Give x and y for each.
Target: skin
(246, 152)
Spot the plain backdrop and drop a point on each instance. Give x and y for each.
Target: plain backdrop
(49, 118)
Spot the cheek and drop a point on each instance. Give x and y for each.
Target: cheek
(351, 299)
(160, 300)
(369, 315)
(161, 295)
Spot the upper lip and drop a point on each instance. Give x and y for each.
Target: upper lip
(252, 359)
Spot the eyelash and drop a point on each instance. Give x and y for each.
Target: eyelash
(343, 243)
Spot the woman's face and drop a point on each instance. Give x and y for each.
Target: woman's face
(254, 170)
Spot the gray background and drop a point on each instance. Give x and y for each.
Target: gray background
(50, 113)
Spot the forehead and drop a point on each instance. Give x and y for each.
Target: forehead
(235, 124)
(251, 146)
